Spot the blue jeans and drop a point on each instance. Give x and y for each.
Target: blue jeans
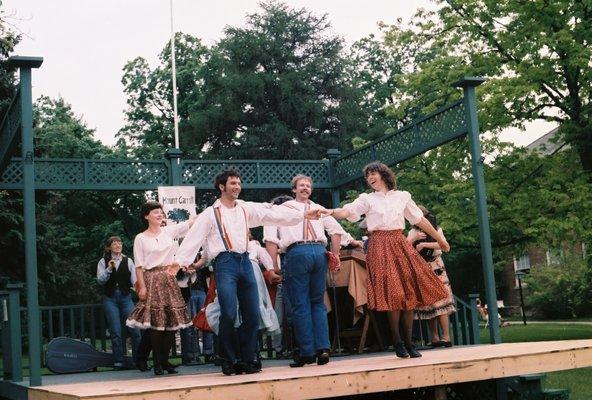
(189, 336)
(117, 308)
(305, 276)
(235, 281)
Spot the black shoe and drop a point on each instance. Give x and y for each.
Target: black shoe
(322, 356)
(400, 351)
(142, 366)
(209, 358)
(228, 369)
(443, 343)
(301, 361)
(413, 353)
(158, 370)
(257, 364)
(247, 368)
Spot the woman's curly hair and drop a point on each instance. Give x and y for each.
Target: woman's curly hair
(388, 176)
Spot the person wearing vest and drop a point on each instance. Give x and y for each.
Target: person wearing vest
(117, 274)
(222, 231)
(305, 272)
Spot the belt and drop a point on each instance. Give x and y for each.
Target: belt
(303, 242)
(231, 253)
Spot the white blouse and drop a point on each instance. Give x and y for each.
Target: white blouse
(385, 211)
(154, 251)
(284, 236)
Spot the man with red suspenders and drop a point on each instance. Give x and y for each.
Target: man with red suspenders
(222, 231)
(305, 272)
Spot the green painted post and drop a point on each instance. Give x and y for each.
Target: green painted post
(14, 323)
(25, 64)
(174, 157)
(474, 333)
(333, 154)
(468, 85)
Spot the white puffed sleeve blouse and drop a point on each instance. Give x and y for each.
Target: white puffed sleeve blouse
(385, 211)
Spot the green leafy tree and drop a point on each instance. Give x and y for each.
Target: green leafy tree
(535, 54)
(149, 129)
(8, 40)
(71, 225)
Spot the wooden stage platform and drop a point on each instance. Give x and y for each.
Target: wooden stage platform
(342, 376)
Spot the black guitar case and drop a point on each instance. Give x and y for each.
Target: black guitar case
(66, 356)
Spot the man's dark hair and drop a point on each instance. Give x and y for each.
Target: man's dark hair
(281, 199)
(223, 176)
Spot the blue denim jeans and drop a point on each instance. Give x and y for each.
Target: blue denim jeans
(117, 308)
(305, 276)
(190, 336)
(235, 281)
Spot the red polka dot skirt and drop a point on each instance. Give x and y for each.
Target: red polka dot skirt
(398, 277)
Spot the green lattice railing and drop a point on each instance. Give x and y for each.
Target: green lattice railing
(424, 134)
(73, 174)
(256, 174)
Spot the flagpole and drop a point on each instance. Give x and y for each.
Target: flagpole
(174, 73)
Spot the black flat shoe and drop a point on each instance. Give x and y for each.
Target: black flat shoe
(158, 370)
(247, 368)
(322, 357)
(400, 351)
(301, 361)
(443, 343)
(143, 366)
(228, 369)
(170, 368)
(412, 351)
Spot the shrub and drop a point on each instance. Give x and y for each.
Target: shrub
(562, 290)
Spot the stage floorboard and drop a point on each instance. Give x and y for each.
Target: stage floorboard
(342, 376)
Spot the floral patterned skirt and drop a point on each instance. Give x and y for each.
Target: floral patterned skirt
(164, 307)
(398, 277)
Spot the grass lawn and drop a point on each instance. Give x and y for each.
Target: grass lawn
(577, 380)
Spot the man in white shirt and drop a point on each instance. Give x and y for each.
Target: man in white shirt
(305, 272)
(222, 231)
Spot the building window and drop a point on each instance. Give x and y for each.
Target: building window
(554, 256)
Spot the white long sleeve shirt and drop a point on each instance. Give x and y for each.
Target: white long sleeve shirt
(260, 255)
(284, 236)
(235, 222)
(385, 211)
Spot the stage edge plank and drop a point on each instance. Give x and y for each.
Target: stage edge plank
(348, 383)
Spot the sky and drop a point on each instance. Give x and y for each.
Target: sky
(86, 43)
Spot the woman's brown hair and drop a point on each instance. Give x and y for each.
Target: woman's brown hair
(107, 249)
(387, 175)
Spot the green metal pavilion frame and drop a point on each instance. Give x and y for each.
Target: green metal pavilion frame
(29, 174)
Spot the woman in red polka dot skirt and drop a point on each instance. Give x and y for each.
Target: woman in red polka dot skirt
(399, 279)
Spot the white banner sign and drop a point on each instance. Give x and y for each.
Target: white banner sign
(178, 202)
